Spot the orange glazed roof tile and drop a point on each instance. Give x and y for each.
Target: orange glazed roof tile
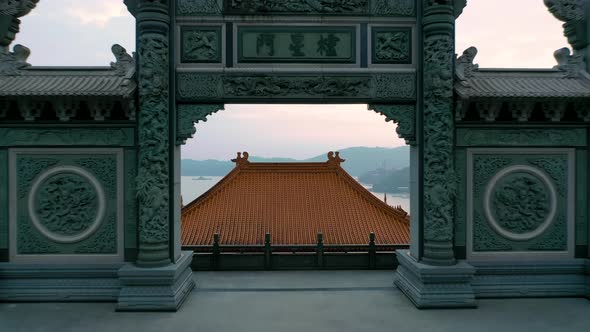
(293, 202)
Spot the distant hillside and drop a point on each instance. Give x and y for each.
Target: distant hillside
(388, 181)
(359, 160)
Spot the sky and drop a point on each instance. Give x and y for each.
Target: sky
(507, 33)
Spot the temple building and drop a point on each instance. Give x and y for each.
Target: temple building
(293, 202)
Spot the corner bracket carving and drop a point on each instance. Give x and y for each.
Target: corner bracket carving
(403, 115)
(188, 115)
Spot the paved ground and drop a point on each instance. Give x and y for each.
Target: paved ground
(318, 301)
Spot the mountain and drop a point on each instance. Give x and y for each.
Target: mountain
(359, 160)
(388, 181)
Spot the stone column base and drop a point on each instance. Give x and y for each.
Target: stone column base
(431, 286)
(588, 279)
(156, 289)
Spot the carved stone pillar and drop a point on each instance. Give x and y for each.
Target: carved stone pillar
(153, 179)
(162, 278)
(430, 276)
(438, 131)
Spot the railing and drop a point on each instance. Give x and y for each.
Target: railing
(269, 256)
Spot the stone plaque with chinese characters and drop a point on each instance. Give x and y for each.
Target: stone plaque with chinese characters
(287, 44)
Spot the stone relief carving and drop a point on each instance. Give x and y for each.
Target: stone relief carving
(529, 137)
(27, 169)
(29, 241)
(203, 87)
(391, 87)
(202, 7)
(485, 167)
(299, 6)
(556, 168)
(153, 175)
(201, 45)
(66, 204)
(104, 241)
(555, 239)
(521, 203)
(392, 46)
(190, 114)
(485, 239)
(295, 86)
(403, 115)
(393, 8)
(68, 136)
(439, 177)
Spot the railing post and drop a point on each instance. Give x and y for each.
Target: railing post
(267, 252)
(372, 252)
(320, 251)
(216, 251)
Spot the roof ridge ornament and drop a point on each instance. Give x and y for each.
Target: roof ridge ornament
(10, 11)
(334, 158)
(125, 63)
(574, 15)
(11, 63)
(464, 66)
(572, 64)
(241, 159)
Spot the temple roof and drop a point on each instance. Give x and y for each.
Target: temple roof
(566, 80)
(71, 82)
(493, 83)
(293, 202)
(20, 79)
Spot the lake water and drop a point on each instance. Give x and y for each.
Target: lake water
(192, 189)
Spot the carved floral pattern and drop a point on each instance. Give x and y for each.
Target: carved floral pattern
(29, 241)
(66, 204)
(208, 7)
(521, 203)
(28, 169)
(190, 114)
(484, 239)
(104, 241)
(557, 168)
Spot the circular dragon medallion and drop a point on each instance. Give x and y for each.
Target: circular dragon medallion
(66, 204)
(520, 202)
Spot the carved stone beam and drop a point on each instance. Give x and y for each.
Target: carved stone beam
(66, 108)
(489, 110)
(583, 110)
(100, 109)
(553, 110)
(521, 110)
(403, 115)
(190, 114)
(31, 109)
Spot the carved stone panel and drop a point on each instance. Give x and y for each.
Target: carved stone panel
(213, 87)
(520, 201)
(200, 44)
(66, 204)
(402, 8)
(296, 44)
(391, 45)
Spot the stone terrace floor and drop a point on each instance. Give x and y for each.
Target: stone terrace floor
(318, 301)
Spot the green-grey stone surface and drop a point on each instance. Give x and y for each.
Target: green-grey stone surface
(66, 204)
